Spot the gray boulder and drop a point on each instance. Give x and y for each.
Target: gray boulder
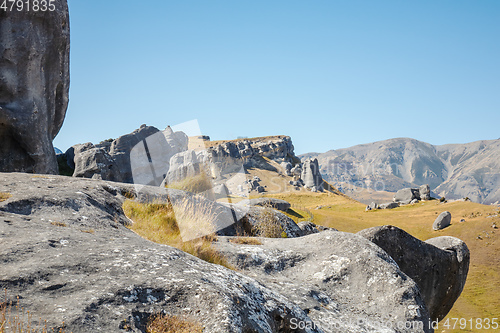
(268, 202)
(287, 167)
(425, 192)
(389, 205)
(34, 85)
(296, 170)
(439, 265)
(442, 221)
(183, 165)
(308, 228)
(69, 257)
(249, 217)
(311, 175)
(140, 157)
(372, 206)
(344, 282)
(406, 195)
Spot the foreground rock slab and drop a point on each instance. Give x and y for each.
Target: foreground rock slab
(439, 265)
(65, 251)
(344, 282)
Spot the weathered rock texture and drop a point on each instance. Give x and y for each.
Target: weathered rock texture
(439, 265)
(344, 282)
(268, 202)
(65, 251)
(34, 85)
(311, 174)
(442, 221)
(126, 160)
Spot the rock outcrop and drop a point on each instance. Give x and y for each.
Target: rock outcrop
(411, 195)
(69, 257)
(442, 221)
(311, 175)
(439, 265)
(268, 202)
(125, 160)
(344, 282)
(34, 85)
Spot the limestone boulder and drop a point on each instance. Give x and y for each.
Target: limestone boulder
(34, 85)
(311, 175)
(67, 254)
(344, 282)
(439, 265)
(442, 221)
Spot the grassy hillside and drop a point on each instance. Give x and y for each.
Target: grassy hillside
(481, 296)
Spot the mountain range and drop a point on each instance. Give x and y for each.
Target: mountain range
(453, 171)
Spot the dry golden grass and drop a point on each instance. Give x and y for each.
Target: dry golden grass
(157, 222)
(172, 324)
(196, 184)
(88, 231)
(268, 225)
(245, 241)
(59, 224)
(480, 297)
(4, 196)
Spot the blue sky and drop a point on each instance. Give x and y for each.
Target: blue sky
(331, 74)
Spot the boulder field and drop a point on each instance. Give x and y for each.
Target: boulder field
(69, 256)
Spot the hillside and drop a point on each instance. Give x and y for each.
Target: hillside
(479, 298)
(454, 171)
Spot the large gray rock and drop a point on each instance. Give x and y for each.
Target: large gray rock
(268, 202)
(344, 282)
(308, 228)
(69, 257)
(140, 157)
(425, 192)
(439, 265)
(442, 221)
(311, 175)
(406, 195)
(249, 217)
(389, 205)
(34, 84)
(183, 165)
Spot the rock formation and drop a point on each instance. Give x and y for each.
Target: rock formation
(34, 84)
(439, 265)
(442, 221)
(125, 160)
(69, 257)
(343, 282)
(268, 202)
(311, 175)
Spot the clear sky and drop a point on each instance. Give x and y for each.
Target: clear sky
(331, 74)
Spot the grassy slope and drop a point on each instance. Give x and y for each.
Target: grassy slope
(481, 296)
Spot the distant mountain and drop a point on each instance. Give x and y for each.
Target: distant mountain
(453, 171)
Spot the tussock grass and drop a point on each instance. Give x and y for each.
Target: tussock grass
(59, 224)
(157, 222)
(14, 319)
(4, 196)
(196, 184)
(172, 324)
(268, 224)
(245, 241)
